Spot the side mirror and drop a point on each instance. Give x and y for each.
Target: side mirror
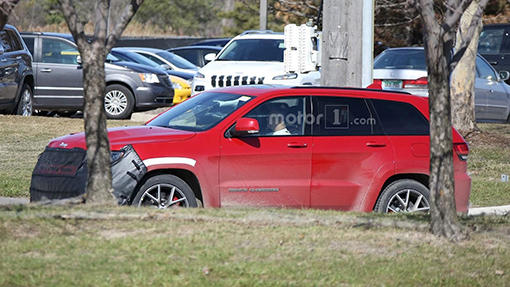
(209, 57)
(504, 75)
(245, 126)
(2, 50)
(78, 60)
(166, 67)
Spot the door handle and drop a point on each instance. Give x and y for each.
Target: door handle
(4, 60)
(19, 58)
(493, 62)
(46, 70)
(376, 144)
(296, 145)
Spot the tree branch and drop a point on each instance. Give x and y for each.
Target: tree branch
(6, 7)
(469, 34)
(123, 21)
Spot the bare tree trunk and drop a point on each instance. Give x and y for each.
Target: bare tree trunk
(99, 187)
(93, 51)
(6, 7)
(442, 187)
(438, 40)
(463, 78)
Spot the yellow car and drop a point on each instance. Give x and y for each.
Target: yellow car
(182, 89)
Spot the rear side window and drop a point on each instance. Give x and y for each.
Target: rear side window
(189, 55)
(398, 118)
(343, 116)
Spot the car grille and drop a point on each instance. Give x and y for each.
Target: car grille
(165, 80)
(229, 80)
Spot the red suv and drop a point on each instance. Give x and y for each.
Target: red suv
(318, 147)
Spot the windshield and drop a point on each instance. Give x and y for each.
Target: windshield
(178, 61)
(202, 112)
(265, 50)
(413, 59)
(127, 56)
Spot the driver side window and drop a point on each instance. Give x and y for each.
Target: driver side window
(280, 116)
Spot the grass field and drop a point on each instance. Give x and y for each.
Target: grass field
(24, 138)
(83, 246)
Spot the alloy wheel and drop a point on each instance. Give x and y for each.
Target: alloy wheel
(408, 200)
(115, 102)
(163, 196)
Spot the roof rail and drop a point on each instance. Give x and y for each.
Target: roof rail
(348, 88)
(247, 32)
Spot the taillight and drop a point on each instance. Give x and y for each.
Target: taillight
(376, 85)
(462, 150)
(420, 83)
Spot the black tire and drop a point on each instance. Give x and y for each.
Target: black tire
(118, 102)
(404, 195)
(26, 102)
(169, 186)
(508, 120)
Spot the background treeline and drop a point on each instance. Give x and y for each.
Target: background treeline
(396, 24)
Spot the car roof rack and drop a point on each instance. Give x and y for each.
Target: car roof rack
(248, 32)
(348, 88)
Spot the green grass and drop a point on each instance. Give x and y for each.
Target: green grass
(228, 247)
(488, 160)
(24, 138)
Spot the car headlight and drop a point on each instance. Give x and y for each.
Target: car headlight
(199, 75)
(115, 155)
(176, 86)
(149, 78)
(286, 77)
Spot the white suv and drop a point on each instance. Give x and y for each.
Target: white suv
(254, 57)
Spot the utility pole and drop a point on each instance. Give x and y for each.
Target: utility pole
(263, 14)
(347, 43)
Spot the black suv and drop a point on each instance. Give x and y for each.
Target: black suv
(59, 79)
(16, 76)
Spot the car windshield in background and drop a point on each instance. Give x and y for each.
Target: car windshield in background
(413, 59)
(178, 61)
(137, 58)
(265, 50)
(202, 112)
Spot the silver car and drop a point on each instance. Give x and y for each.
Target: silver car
(404, 69)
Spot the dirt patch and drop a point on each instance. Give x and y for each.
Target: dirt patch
(485, 138)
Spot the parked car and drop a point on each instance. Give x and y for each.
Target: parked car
(219, 42)
(254, 57)
(164, 57)
(59, 79)
(181, 86)
(405, 69)
(494, 46)
(195, 54)
(16, 75)
(305, 147)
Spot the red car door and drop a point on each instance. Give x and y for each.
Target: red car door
(271, 168)
(351, 156)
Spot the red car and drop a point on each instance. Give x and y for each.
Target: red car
(316, 147)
